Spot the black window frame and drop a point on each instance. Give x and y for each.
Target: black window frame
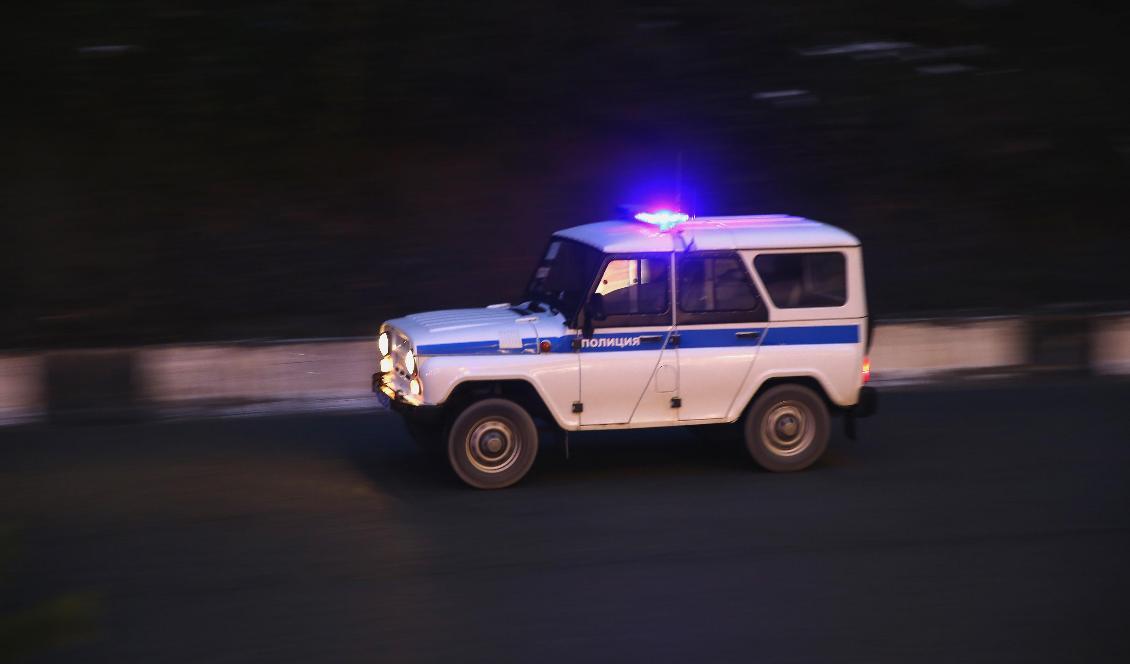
(665, 318)
(721, 315)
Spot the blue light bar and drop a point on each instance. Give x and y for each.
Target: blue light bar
(664, 219)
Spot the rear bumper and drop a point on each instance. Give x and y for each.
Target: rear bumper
(867, 406)
(868, 403)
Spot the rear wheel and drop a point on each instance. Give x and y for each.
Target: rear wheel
(787, 429)
(492, 444)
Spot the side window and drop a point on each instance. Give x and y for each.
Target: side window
(817, 279)
(717, 289)
(634, 291)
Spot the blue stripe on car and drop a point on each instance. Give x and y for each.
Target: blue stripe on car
(688, 338)
(718, 338)
(821, 334)
(487, 347)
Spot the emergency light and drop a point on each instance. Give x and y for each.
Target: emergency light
(664, 219)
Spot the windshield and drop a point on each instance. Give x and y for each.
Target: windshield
(564, 276)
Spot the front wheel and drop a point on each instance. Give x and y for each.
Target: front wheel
(787, 429)
(492, 444)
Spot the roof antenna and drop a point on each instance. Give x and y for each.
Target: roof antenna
(685, 246)
(679, 180)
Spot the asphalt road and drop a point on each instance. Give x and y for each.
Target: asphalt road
(985, 525)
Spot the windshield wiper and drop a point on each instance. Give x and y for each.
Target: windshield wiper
(547, 302)
(539, 300)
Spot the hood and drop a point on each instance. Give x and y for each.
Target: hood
(496, 329)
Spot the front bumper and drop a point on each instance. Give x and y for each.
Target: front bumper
(380, 388)
(389, 391)
(417, 414)
(413, 412)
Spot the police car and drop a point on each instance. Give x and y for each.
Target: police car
(656, 321)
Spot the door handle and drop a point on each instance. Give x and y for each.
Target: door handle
(752, 334)
(651, 338)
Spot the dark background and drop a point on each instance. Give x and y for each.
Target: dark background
(191, 171)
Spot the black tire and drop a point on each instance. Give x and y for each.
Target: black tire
(787, 428)
(492, 444)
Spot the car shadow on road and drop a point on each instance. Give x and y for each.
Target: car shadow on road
(388, 458)
(635, 453)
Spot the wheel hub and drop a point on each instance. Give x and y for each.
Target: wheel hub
(787, 428)
(492, 445)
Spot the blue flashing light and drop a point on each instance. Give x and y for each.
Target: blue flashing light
(664, 219)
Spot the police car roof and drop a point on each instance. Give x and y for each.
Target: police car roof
(770, 231)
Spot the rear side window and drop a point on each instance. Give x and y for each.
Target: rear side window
(817, 279)
(717, 289)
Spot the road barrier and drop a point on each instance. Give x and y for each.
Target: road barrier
(83, 385)
(1111, 345)
(926, 349)
(21, 388)
(330, 373)
(319, 374)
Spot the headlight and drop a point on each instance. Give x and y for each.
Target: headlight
(414, 386)
(382, 343)
(386, 364)
(410, 363)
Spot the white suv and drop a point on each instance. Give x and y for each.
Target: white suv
(660, 321)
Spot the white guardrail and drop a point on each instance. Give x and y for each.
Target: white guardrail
(22, 396)
(923, 350)
(300, 375)
(1110, 345)
(303, 375)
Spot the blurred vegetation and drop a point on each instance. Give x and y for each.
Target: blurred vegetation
(202, 170)
(45, 625)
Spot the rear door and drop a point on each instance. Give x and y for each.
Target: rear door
(627, 363)
(817, 313)
(721, 320)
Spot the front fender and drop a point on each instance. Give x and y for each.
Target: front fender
(554, 376)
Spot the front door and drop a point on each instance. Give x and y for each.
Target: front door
(628, 371)
(721, 324)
